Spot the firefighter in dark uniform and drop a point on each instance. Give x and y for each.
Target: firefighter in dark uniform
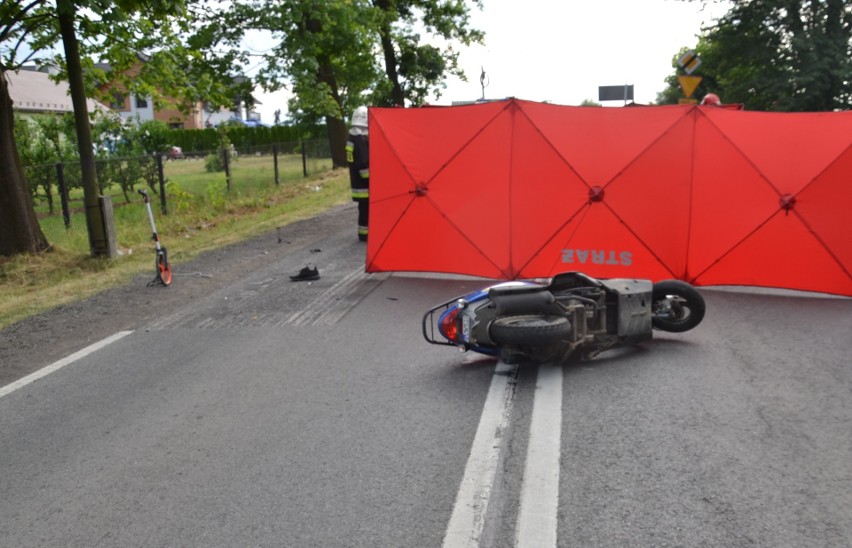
(358, 157)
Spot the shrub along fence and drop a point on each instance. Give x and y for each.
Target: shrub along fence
(222, 171)
(191, 140)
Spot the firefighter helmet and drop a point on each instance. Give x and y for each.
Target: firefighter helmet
(359, 117)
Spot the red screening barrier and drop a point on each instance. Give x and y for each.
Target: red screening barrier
(518, 189)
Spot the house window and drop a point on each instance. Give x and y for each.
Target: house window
(141, 102)
(117, 102)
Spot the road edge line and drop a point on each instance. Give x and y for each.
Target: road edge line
(57, 365)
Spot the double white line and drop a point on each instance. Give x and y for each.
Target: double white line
(537, 517)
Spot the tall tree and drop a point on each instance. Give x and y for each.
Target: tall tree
(19, 228)
(95, 214)
(322, 50)
(114, 31)
(415, 70)
(335, 56)
(329, 65)
(779, 55)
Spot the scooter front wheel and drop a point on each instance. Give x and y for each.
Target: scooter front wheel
(531, 331)
(677, 307)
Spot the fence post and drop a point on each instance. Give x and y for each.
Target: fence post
(63, 194)
(304, 159)
(162, 184)
(105, 203)
(226, 156)
(275, 162)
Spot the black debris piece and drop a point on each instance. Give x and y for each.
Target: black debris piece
(306, 274)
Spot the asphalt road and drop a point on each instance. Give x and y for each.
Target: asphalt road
(265, 412)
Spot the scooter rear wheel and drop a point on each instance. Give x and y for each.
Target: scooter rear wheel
(530, 331)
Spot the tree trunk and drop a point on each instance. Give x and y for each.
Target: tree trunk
(397, 95)
(98, 242)
(19, 228)
(337, 141)
(336, 125)
(325, 74)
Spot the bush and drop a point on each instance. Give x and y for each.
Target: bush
(213, 163)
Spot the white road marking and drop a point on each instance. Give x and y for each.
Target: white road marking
(468, 518)
(537, 517)
(44, 371)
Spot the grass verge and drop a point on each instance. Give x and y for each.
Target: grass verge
(31, 284)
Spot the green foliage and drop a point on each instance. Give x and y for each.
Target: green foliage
(24, 24)
(42, 142)
(152, 136)
(777, 55)
(46, 138)
(194, 140)
(336, 56)
(328, 55)
(112, 32)
(217, 198)
(127, 153)
(243, 137)
(415, 70)
(180, 201)
(214, 162)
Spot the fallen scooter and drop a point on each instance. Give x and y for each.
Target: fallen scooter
(574, 316)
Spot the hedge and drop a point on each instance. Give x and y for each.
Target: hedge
(198, 140)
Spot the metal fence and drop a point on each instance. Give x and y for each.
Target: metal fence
(231, 169)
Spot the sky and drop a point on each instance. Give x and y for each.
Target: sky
(561, 50)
